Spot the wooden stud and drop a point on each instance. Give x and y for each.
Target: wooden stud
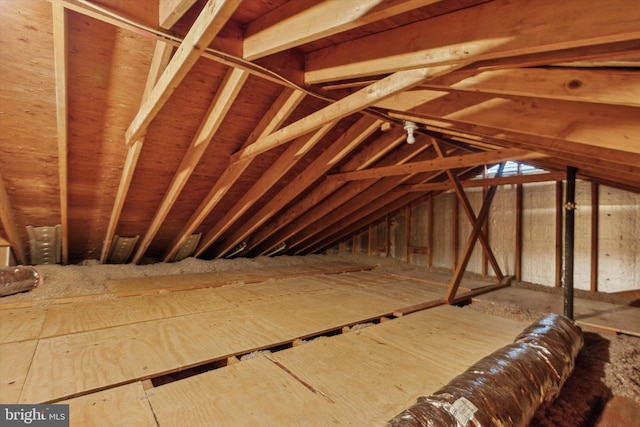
(407, 232)
(60, 55)
(595, 207)
(559, 232)
(454, 233)
(430, 232)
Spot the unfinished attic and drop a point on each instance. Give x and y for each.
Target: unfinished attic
(338, 212)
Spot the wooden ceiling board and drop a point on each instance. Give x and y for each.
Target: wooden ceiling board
(28, 142)
(107, 68)
(518, 97)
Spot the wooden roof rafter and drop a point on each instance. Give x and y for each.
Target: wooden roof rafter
(341, 147)
(382, 194)
(500, 29)
(210, 21)
(339, 194)
(303, 21)
(161, 57)
(280, 110)
(295, 151)
(218, 110)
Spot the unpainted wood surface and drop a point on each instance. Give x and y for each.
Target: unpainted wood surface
(362, 378)
(120, 406)
(106, 357)
(15, 359)
(219, 278)
(251, 393)
(86, 316)
(21, 323)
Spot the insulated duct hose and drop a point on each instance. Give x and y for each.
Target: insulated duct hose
(507, 387)
(18, 279)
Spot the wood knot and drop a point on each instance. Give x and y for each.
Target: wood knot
(574, 84)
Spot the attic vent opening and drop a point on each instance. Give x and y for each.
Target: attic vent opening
(45, 244)
(187, 249)
(122, 249)
(277, 249)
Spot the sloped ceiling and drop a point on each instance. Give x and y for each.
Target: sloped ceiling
(256, 123)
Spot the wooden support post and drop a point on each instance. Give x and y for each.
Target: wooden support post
(407, 232)
(559, 229)
(475, 233)
(468, 209)
(454, 232)
(429, 232)
(594, 235)
(570, 207)
(370, 246)
(387, 235)
(518, 260)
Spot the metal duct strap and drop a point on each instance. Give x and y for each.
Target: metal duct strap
(507, 387)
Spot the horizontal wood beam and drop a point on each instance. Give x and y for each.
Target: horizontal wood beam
(210, 21)
(355, 102)
(485, 182)
(491, 30)
(304, 21)
(617, 87)
(466, 160)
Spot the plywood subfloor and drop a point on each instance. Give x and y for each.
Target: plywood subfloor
(361, 378)
(90, 346)
(140, 285)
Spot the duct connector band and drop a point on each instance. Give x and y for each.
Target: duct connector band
(507, 387)
(18, 279)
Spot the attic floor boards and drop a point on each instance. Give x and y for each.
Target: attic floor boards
(364, 377)
(91, 345)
